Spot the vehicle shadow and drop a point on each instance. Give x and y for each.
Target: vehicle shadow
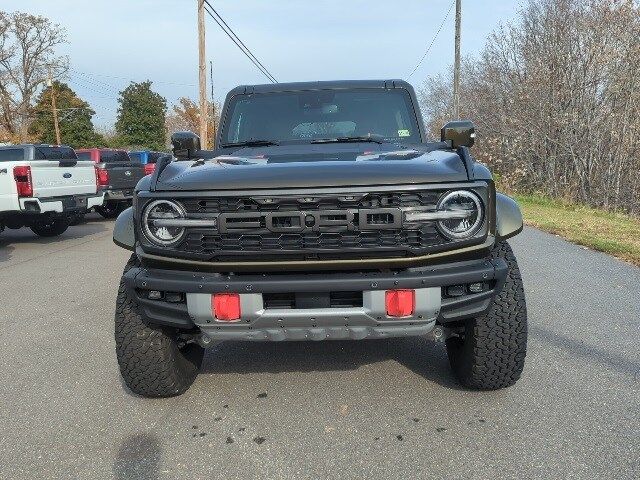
(138, 457)
(90, 218)
(420, 355)
(25, 235)
(5, 250)
(10, 239)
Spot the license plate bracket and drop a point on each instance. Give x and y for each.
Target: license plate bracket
(74, 203)
(312, 300)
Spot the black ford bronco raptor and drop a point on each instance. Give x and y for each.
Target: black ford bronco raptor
(323, 213)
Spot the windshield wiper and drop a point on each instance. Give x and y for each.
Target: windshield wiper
(250, 143)
(367, 138)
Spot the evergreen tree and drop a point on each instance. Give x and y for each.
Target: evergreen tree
(141, 117)
(74, 118)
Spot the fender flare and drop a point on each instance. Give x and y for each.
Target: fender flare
(508, 217)
(124, 234)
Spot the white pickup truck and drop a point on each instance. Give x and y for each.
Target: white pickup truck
(43, 186)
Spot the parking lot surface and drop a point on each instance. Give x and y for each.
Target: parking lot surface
(378, 409)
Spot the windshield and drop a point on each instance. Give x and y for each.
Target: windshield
(41, 152)
(154, 156)
(136, 156)
(322, 114)
(114, 156)
(54, 153)
(11, 155)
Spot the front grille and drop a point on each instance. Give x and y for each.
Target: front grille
(312, 226)
(321, 245)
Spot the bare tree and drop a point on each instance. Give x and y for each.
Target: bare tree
(185, 116)
(556, 100)
(27, 55)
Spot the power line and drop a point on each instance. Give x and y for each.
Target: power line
(239, 43)
(85, 79)
(95, 89)
(93, 78)
(126, 79)
(433, 40)
(98, 90)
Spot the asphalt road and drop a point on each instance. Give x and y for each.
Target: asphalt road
(379, 409)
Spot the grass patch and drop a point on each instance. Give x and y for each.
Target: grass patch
(613, 233)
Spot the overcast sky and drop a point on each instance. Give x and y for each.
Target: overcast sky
(112, 42)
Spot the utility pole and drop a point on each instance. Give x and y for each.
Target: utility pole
(54, 110)
(456, 68)
(213, 106)
(202, 76)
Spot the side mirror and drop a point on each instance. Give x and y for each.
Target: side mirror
(185, 144)
(460, 133)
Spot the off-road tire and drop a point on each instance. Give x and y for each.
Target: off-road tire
(51, 229)
(490, 354)
(109, 210)
(151, 362)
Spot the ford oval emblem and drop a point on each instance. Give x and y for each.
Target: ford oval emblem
(66, 175)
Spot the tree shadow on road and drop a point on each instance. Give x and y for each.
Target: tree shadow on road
(612, 361)
(420, 355)
(138, 457)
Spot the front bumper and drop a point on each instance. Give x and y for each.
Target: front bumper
(70, 204)
(258, 322)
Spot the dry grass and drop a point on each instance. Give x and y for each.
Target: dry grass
(613, 233)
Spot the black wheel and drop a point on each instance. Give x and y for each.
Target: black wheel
(490, 352)
(151, 362)
(109, 210)
(52, 228)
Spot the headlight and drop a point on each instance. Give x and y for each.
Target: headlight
(160, 222)
(461, 214)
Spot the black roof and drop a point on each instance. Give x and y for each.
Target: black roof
(324, 85)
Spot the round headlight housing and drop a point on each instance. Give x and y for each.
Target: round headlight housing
(157, 219)
(462, 214)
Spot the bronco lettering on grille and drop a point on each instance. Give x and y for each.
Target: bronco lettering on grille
(317, 220)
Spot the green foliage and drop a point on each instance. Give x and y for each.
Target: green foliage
(74, 114)
(141, 117)
(554, 95)
(610, 232)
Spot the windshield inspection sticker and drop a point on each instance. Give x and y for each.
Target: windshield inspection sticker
(404, 133)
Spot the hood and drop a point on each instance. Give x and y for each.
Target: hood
(320, 165)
